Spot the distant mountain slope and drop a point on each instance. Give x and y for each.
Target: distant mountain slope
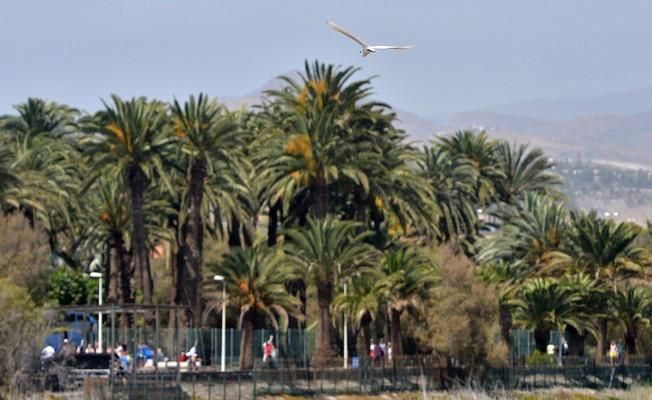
(614, 127)
(608, 137)
(621, 103)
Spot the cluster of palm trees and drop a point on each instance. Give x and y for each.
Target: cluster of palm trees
(313, 190)
(570, 271)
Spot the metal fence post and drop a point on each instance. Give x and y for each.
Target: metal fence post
(321, 379)
(253, 376)
(209, 386)
(194, 379)
(224, 386)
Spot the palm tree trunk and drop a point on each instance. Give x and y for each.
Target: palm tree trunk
(395, 326)
(114, 268)
(575, 342)
(234, 233)
(297, 289)
(137, 183)
(541, 339)
(505, 320)
(630, 344)
(364, 343)
(193, 244)
(320, 198)
(362, 205)
(324, 350)
(126, 287)
(601, 345)
(247, 341)
(171, 254)
(119, 275)
(272, 225)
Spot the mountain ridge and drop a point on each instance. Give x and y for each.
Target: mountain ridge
(610, 127)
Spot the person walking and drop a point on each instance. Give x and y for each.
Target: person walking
(613, 353)
(269, 351)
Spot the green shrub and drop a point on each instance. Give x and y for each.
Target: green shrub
(67, 286)
(538, 358)
(21, 330)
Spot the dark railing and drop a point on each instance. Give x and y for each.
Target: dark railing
(302, 377)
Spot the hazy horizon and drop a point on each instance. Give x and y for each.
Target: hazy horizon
(468, 55)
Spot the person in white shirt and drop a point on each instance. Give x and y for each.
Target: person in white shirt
(47, 355)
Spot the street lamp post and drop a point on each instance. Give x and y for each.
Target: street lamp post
(98, 275)
(223, 361)
(346, 337)
(346, 326)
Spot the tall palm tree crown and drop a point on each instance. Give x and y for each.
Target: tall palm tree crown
(407, 278)
(209, 139)
(131, 138)
(255, 285)
(320, 254)
(524, 171)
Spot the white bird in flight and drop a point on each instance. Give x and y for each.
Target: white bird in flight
(366, 49)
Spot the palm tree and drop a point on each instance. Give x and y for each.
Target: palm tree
(482, 153)
(453, 180)
(106, 219)
(506, 279)
(631, 307)
(607, 251)
(46, 161)
(314, 153)
(8, 178)
(534, 232)
(37, 117)
(544, 304)
(396, 191)
(407, 279)
(360, 304)
(524, 171)
(131, 141)
(321, 254)
(593, 300)
(207, 134)
(255, 285)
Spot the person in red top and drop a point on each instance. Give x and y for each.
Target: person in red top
(269, 350)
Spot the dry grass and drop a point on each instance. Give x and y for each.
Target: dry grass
(637, 393)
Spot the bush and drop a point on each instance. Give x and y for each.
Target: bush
(21, 327)
(538, 359)
(462, 316)
(67, 286)
(24, 255)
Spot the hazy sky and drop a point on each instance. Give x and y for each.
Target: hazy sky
(469, 54)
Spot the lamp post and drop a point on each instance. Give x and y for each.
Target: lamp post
(98, 275)
(346, 325)
(223, 361)
(346, 337)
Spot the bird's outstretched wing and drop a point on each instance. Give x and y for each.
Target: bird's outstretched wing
(347, 33)
(392, 47)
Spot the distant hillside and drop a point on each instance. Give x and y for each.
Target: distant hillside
(620, 103)
(611, 133)
(606, 137)
(612, 128)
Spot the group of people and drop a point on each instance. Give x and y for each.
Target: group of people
(379, 352)
(615, 353)
(66, 352)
